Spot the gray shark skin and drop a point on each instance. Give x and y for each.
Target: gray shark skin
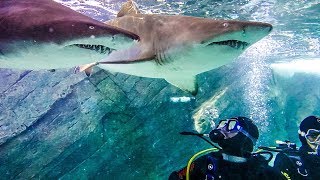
(177, 48)
(43, 34)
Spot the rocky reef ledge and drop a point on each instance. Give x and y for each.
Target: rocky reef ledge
(64, 125)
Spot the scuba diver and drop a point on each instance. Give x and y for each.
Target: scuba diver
(305, 162)
(234, 160)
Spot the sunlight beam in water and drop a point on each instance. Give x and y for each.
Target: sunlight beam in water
(256, 79)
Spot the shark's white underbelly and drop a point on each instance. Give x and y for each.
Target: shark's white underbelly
(48, 57)
(37, 56)
(187, 64)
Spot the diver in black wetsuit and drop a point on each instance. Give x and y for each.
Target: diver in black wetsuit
(304, 163)
(236, 137)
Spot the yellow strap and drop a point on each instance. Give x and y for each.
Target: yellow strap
(195, 156)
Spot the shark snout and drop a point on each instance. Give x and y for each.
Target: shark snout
(232, 25)
(270, 27)
(240, 34)
(255, 33)
(259, 27)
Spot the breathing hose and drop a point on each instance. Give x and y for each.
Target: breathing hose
(195, 156)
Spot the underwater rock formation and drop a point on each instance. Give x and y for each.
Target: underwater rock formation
(58, 124)
(64, 125)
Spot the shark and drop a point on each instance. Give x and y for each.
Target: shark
(43, 34)
(176, 47)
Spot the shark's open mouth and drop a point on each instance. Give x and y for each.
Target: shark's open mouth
(98, 48)
(232, 43)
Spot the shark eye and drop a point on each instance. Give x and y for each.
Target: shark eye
(91, 27)
(51, 29)
(225, 24)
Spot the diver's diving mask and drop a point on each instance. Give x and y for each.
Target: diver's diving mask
(312, 136)
(232, 125)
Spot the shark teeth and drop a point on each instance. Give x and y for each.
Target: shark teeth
(98, 48)
(232, 43)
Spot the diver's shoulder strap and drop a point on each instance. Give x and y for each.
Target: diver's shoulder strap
(213, 165)
(299, 164)
(257, 159)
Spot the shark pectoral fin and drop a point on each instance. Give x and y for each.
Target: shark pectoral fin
(128, 8)
(87, 68)
(187, 83)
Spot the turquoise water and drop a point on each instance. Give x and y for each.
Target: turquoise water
(277, 101)
(114, 126)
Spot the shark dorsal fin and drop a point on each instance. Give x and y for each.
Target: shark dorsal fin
(128, 8)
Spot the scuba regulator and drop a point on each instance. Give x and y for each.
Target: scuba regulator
(282, 146)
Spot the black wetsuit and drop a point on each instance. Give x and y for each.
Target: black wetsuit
(212, 166)
(298, 165)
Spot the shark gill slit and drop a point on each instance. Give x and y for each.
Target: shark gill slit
(167, 56)
(162, 57)
(158, 56)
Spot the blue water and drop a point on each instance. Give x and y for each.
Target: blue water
(276, 103)
(146, 143)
